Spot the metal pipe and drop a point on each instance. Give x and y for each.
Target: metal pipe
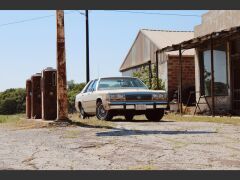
(212, 78)
(87, 48)
(157, 76)
(180, 88)
(62, 105)
(150, 74)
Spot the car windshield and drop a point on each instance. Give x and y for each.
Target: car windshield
(120, 83)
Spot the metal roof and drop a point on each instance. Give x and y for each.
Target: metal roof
(163, 38)
(195, 42)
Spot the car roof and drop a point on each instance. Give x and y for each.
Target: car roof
(116, 77)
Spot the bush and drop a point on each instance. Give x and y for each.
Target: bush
(12, 101)
(143, 74)
(73, 90)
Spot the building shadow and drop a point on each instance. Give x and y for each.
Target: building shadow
(126, 132)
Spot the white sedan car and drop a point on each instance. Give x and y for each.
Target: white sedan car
(127, 96)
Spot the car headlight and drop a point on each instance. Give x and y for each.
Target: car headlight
(159, 96)
(116, 97)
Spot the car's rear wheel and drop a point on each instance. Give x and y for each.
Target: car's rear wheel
(83, 115)
(154, 115)
(102, 113)
(129, 117)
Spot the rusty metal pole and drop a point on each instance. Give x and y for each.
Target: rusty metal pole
(180, 88)
(62, 106)
(212, 78)
(157, 76)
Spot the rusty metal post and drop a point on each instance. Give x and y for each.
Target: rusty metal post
(180, 84)
(62, 105)
(212, 78)
(157, 76)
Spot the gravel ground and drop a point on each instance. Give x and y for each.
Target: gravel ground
(128, 145)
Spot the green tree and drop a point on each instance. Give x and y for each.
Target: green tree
(73, 90)
(143, 74)
(12, 101)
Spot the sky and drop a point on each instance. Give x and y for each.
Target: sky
(27, 47)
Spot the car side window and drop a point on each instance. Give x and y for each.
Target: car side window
(94, 85)
(89, 86)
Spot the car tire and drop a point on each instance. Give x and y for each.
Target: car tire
(83, 115)
(102, 113)
(129, 117)
(154, 115)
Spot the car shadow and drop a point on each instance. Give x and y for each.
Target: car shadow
(127, 132)
(138, 121)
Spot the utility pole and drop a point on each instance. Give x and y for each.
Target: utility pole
(62, 106)
(87, 48)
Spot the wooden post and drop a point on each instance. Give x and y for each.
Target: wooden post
(212, 78)
(62, 106)
(87, 48)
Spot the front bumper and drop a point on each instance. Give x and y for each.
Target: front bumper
(135, 104)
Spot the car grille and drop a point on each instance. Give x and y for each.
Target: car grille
(138, 97)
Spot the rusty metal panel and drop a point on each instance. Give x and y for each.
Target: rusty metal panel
(28, 98)
(36, 101)
(49, 94)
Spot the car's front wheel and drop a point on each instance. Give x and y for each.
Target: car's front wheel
(102, 113)
(154, 115)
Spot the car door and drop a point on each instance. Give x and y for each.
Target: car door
(91, 98)
(84, 96)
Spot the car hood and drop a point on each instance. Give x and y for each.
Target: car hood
(131, 91)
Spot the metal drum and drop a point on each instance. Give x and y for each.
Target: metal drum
(36, 101)
(28, 98)
(49, 94)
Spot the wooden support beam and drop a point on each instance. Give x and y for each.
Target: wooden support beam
(87, 48)
(62, 105)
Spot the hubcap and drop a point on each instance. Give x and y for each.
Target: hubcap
(101, 112)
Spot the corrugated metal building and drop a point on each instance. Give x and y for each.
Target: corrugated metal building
(143, 52)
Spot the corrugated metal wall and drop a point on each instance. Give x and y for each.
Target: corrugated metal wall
(141, 52)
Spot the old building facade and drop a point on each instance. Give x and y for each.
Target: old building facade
(144, 52)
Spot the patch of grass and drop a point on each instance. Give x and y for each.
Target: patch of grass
(10, 118)
(184, 118)
(71, 134)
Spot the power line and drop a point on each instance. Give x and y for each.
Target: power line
(30, 19)
(154, 13)
(80, 12)
(120, 11)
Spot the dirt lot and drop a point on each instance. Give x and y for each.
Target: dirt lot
(120, 145)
